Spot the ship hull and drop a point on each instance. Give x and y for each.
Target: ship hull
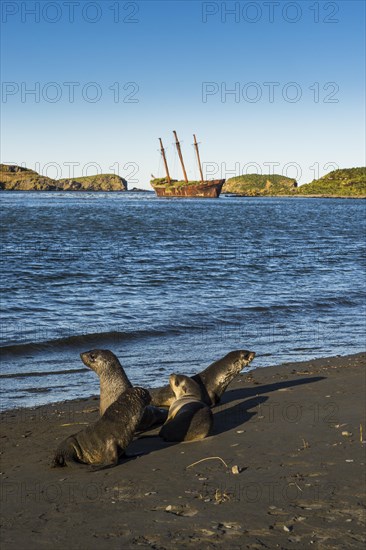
(207, 189)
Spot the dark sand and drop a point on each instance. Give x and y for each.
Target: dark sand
(293, 431)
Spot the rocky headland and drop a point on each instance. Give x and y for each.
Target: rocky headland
(17, 178)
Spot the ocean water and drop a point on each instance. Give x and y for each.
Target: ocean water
(170, 285)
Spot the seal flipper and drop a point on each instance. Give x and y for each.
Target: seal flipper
(66, 453)
(112, 454)
(65, 459)
(106, 466)
(58, 461)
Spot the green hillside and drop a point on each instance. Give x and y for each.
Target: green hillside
(258, 185)
(346, 182)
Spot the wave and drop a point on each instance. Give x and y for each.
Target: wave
(227, 318)
(92, 339)
(323, 303)
(42, 373)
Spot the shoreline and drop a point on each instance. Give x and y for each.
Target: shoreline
(292, 430)
(294, 196)
(223, 194)
(245, 372)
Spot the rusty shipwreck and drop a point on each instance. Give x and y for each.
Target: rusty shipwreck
(168, 187)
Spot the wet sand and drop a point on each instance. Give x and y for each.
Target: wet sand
(293, 431)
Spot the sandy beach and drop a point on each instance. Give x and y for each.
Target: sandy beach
(294, 433)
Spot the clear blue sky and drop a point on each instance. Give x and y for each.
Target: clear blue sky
(164, 53)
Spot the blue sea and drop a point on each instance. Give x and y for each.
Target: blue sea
(170, 285)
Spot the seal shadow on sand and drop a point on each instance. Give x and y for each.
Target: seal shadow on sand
(225, 417)
(232, 417)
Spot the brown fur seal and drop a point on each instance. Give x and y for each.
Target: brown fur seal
(213, 381)
(114, 381)
(189, 418)
(105, 441)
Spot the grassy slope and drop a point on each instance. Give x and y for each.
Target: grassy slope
(347, 182)
(260, 185)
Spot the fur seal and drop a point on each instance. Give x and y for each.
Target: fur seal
(189, 418)
(105, 441)
(213, 381)
(114, 381)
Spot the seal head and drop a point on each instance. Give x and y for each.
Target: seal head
(189, 417)
(215, 379)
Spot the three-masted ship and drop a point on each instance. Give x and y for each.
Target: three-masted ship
(168, 187)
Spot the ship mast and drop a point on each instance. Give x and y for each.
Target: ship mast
(180, 156)
(165, 162)
(198, 156)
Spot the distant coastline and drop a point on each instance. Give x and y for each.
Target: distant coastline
(342, 183)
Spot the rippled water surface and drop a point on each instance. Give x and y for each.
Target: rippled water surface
(172, 285)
